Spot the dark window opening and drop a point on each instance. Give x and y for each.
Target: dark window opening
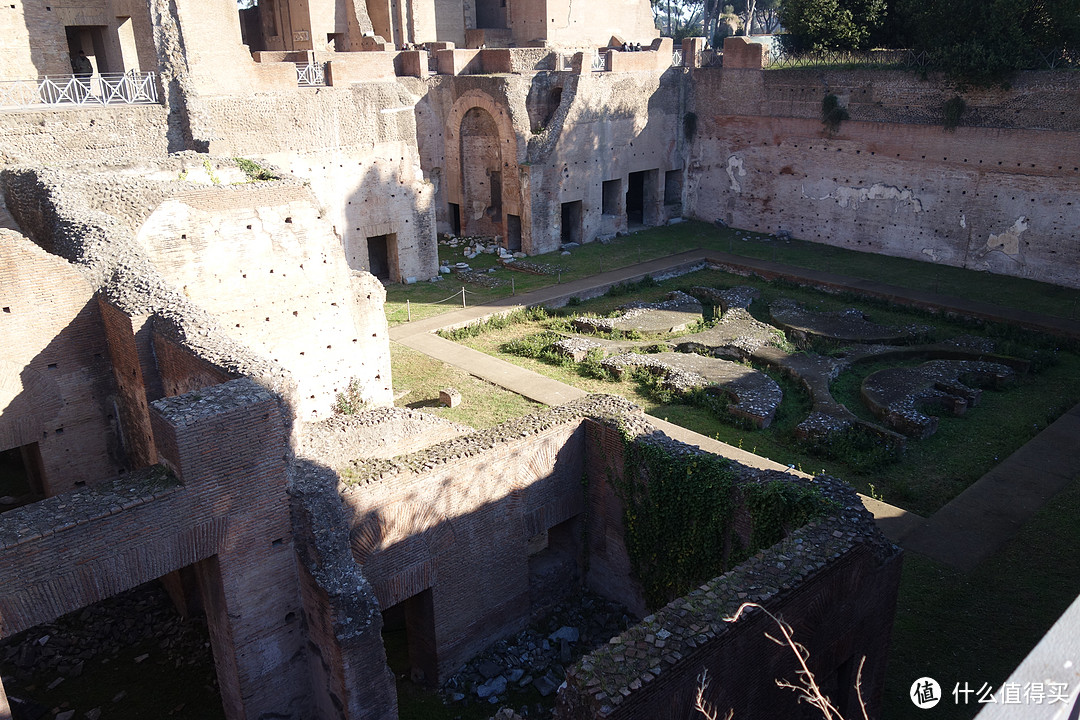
(21, 480)
(409, 638)
(571, 222)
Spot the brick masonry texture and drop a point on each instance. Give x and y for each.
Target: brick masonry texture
(425, 522)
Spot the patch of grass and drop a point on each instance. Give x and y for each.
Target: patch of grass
(976, 628)
(653, 243)
(483, 404)
(930, 473)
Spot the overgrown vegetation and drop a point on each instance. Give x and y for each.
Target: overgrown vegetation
(952, 110)
(778, 507)
(350, 401)
(254, 171)
(832, 113)
(678, 511)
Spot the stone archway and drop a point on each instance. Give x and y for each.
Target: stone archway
(481, 174)
(482, 156)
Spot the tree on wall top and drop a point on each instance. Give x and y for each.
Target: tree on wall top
(831, 24)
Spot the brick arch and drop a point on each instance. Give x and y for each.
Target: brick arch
(512, 151)
(398, 523)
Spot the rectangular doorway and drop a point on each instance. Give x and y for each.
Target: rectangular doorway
(571, 222)
(90, 40)
(455, 218)
(513, 233)
(21, 480)
(409, 639)
(635, 198)
(382, 257)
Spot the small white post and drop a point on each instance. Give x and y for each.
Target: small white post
(408, 309)
(462, 297)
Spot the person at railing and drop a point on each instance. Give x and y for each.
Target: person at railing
(82, 69)
(80, 65)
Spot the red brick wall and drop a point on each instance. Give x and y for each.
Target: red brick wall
(180, 371)
(609, 562)
(840, 614)
(56, 386)
(228, 514)
(462, 530)
(128, 374)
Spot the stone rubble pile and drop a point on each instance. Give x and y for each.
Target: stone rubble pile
(537, 656)
(46, 656)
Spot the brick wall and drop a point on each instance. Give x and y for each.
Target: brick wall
(56, 386)
(225, 512)
(181, 371)
(127, 372)
(834, 582)
(462, 531)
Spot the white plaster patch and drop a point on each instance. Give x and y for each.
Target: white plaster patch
(963, 221)
(735, 168)
(930, 253)
(854, 196)
(1008, 242)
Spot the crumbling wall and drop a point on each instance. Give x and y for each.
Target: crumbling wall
(356, 146)
(613, 124)
(834, 584)
(262, 261)
(984, 197)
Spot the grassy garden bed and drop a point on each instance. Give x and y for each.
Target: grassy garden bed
(926, 476)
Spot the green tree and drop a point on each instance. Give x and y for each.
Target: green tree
(831, 24)
(982, 41)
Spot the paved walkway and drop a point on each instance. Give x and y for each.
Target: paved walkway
(961, 534)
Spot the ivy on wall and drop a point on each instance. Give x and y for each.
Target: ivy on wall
(678, 511)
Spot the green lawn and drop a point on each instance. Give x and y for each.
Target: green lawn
(931, 472)
(659, 242)
(976, 628)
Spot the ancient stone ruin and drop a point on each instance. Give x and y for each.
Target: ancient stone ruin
(195, 240)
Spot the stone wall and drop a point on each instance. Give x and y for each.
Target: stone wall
(356, 146)
(463, 526)
(262, 261)
(119, 133)
(988, 196)
(834, 585)
(461, 530)
(608, 126)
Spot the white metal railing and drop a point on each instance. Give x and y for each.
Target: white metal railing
(311, 74)
(130, 88)
(676, 58)
(599, 62)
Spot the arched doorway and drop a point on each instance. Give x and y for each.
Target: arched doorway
(481, 174)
